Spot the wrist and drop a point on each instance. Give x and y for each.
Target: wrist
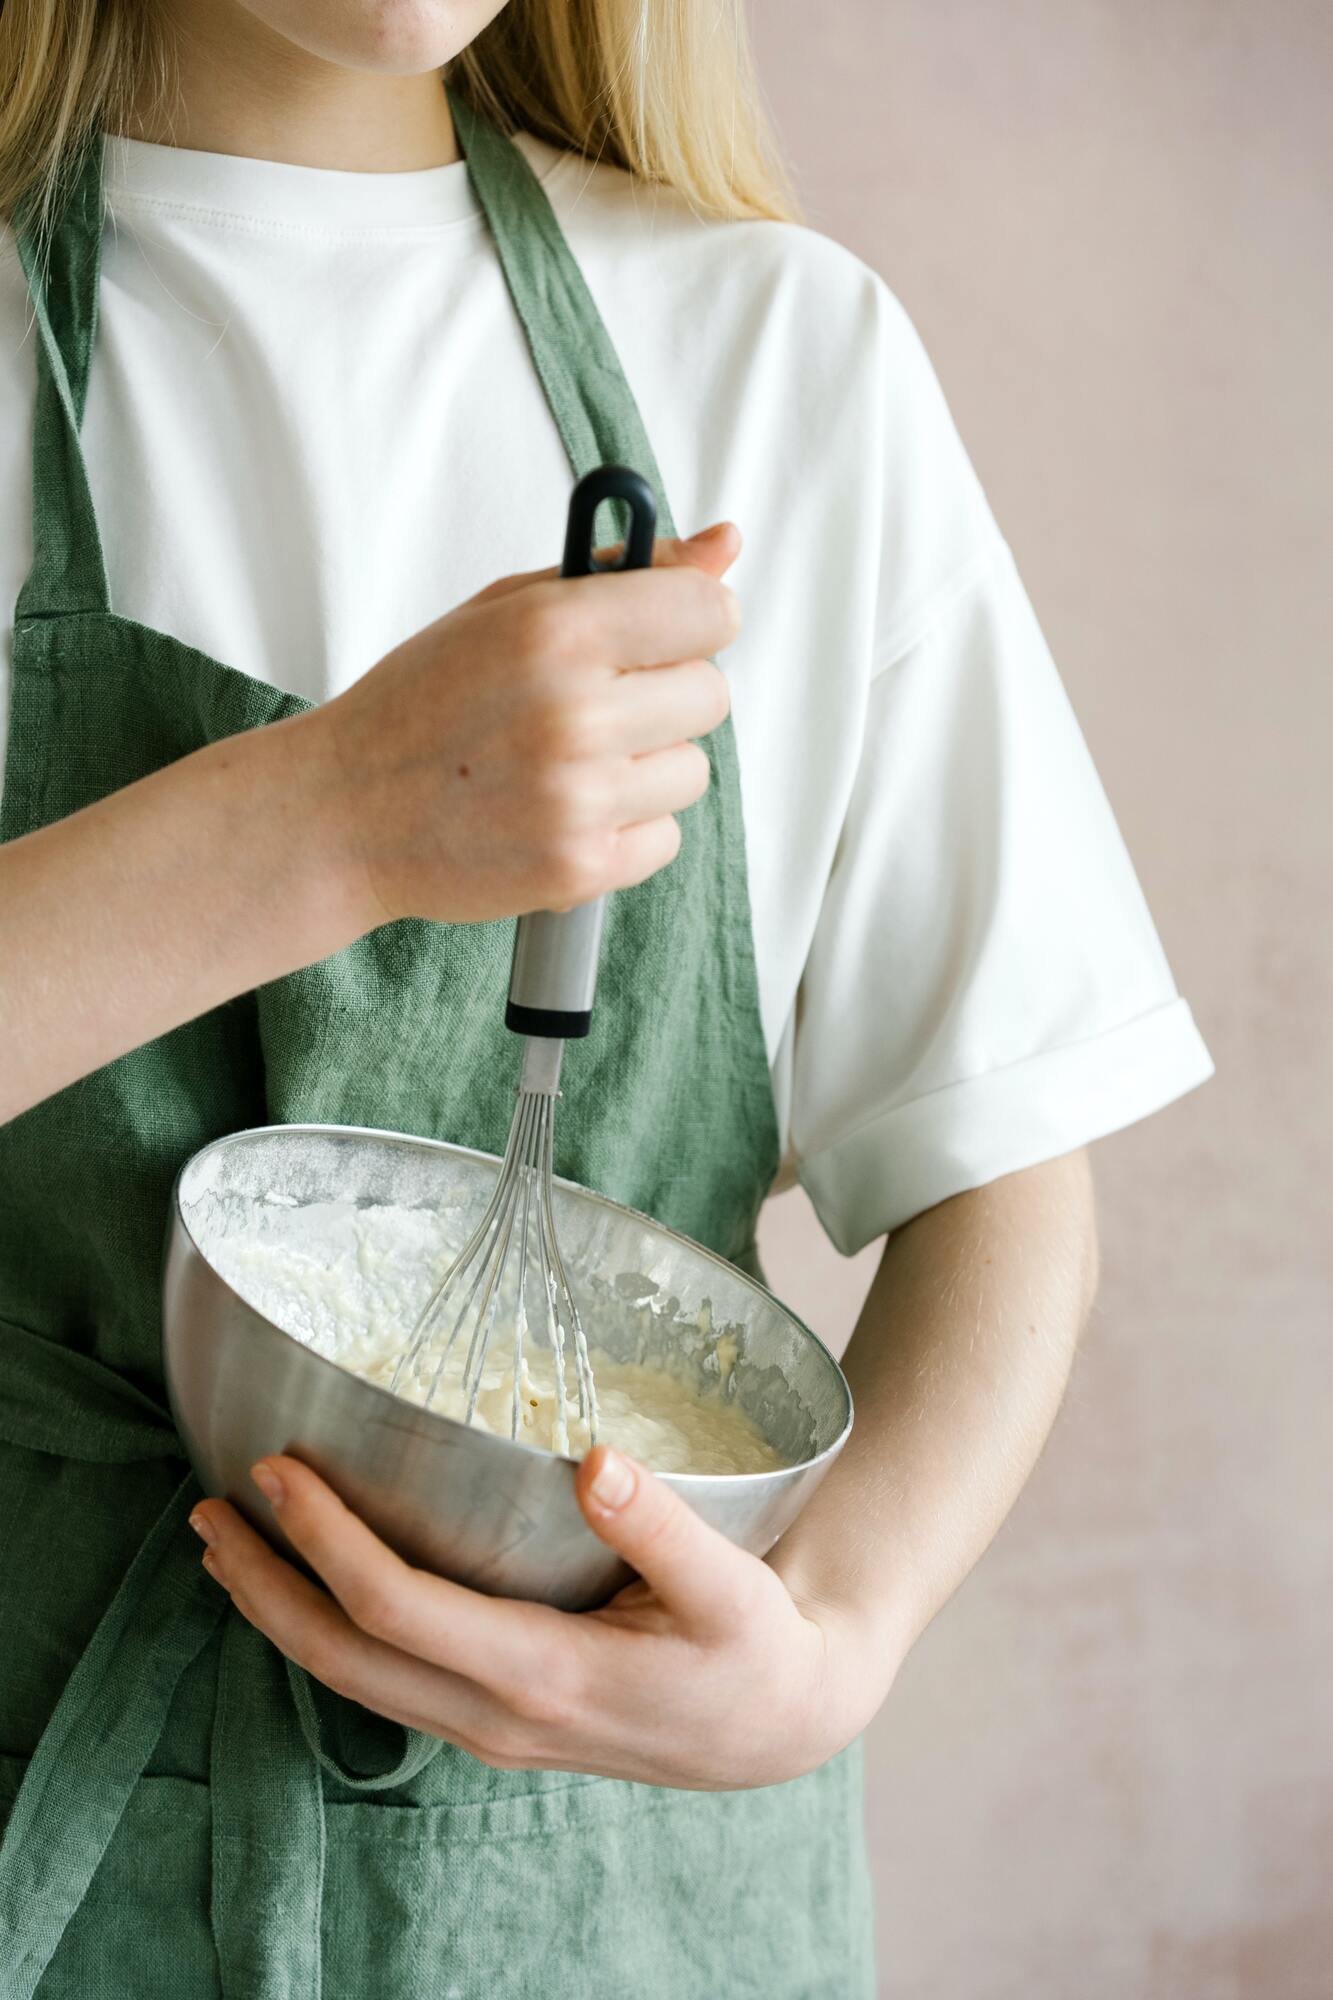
(289, 798)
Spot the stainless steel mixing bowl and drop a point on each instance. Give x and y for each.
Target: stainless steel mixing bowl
(499, 1515)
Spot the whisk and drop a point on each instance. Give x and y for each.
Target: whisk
(552, 981)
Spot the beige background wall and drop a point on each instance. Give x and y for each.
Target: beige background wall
(1107, 1772)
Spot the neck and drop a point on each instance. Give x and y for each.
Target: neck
(242, 88)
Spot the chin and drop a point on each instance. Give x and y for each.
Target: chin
(395, 37)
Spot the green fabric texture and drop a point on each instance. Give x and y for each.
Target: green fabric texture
(185, 1814)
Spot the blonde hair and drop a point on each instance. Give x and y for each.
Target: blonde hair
(663, 88)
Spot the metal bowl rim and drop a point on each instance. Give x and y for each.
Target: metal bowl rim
(435, 1417)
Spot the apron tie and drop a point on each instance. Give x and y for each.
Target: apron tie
(418, 1748)
(267, 1798)
(99, 1739)
(268, 1829)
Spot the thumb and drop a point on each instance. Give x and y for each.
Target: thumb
(714, 549)
(695, 1571)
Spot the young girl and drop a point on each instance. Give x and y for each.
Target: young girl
(309, 318)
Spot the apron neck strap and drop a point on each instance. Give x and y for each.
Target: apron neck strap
(579, 368)
(68, 573)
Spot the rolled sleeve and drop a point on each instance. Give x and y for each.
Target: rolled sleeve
(985, 988)
(906, 1158)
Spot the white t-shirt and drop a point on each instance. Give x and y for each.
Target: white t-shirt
(313, 426)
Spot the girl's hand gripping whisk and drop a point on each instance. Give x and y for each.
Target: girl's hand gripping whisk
(510, 1272)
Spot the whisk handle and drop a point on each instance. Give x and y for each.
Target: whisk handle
(553, 977)
(609, 482)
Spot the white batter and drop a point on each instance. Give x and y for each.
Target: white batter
(646, 1412)
(350, 1283)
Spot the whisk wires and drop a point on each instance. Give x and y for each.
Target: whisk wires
(473, 1287)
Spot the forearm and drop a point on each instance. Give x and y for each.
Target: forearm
(957, 1367)
(165, 899)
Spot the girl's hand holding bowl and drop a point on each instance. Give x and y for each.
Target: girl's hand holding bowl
(706, 1673)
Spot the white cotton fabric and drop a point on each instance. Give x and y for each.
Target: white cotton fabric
(313, 426)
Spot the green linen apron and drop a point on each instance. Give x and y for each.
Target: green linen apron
(186, 1814)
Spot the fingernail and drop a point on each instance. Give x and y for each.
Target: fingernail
(214, 1568)
(613, 1481)
(269, 1484)
(202, 1527)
